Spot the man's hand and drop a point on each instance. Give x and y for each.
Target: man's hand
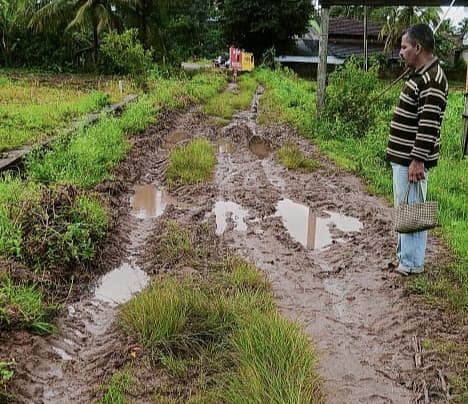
(416, 171)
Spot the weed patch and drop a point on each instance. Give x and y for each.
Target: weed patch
(6, 374)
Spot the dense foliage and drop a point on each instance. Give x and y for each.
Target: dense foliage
(260, 24)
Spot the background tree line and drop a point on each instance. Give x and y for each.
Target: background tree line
(69, 34)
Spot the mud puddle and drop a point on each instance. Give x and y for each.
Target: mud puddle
(226, 211)
(260, 147)
(311, 230)
(359, 319)
(149, 201)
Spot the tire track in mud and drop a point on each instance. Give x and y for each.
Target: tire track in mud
(343, 294)
(69, 366)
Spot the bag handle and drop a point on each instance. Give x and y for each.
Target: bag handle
(420, 192)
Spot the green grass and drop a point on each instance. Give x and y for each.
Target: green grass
(32, 112)
(23, 307)
(115, 391)
(293, 158)
(225, 104)
(6, 374)
(291, 100)
(191, 164)
(221, 336)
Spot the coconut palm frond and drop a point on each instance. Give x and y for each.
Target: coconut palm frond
(82, 14)
(48, 14)
(104, 17)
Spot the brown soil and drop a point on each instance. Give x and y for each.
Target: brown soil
(350, 303)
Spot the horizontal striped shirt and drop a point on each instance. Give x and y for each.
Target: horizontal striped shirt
(415, 127)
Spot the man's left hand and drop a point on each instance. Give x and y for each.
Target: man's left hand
(416, 171)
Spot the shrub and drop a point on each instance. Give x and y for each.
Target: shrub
(350, 109)
(124, 54)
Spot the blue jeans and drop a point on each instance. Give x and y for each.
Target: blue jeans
(411, 247)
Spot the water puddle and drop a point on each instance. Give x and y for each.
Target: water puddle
(225, 146)
(175, 137)
(119, 285)
(224, 210)
(307, 228)
(260, 147)
(149, 202)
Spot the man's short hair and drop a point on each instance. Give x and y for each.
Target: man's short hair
(422, 34)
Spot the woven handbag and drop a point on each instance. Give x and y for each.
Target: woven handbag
(417, 216)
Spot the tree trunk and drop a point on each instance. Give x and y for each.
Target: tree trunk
(95, 41)
(142, 11)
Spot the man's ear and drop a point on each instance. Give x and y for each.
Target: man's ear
(418, 48)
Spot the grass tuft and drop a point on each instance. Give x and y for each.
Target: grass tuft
(22, 306)
(116, 390)
(191, 164)
(293, 158)
(275, 363)
(221, 335)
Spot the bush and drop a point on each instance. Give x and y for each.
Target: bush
(350, 109)
(124, 54)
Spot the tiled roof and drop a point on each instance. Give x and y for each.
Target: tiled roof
(343, 26)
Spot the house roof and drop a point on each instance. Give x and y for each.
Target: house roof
(343, 26)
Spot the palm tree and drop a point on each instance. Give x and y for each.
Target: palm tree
(95, 13)
(14, 17)
(401, 18)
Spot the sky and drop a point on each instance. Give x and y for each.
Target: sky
(456, 14)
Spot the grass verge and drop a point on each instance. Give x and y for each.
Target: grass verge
(191, 164)
(220, 336)
(30, 111)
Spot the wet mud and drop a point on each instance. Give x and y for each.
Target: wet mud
(325, 244)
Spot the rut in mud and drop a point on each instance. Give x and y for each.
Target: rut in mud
(325, 245)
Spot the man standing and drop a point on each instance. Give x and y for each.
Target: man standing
(413, 146)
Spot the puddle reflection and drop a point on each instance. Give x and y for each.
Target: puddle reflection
(311, 231)
(119, 285)
(260, 147)
(223, 210)
(149, 202)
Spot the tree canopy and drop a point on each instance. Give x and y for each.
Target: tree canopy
(257, 25)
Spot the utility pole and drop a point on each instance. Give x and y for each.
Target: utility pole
(323, 56)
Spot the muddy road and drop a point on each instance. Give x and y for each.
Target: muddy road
(324, 243)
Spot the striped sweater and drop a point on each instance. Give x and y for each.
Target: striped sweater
(415, 127)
